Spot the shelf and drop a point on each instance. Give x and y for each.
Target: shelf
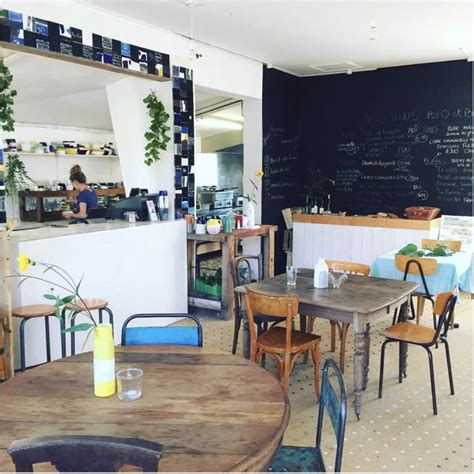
(24, 153)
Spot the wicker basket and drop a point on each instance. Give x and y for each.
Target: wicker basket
(422, 213)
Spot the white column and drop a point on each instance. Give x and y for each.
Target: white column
(253, 163)
(130, 122)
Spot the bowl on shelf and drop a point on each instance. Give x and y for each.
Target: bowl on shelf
(71, 151)
(60, 151)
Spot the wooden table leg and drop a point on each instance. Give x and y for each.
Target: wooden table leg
(228, 249)
(367, 356)
(404, 316)
(246, 337)
(360, 342)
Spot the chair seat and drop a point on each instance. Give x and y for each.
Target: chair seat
(409, 332)
(298, 459)
(175, 335)
(274, 340)
(34, 311)
(92, 304)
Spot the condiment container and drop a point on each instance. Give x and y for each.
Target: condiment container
(321, 274)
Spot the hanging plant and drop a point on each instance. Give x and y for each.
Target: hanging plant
(6, 98)
(157, 136)
(16, 176)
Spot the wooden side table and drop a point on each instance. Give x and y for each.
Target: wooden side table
(228, 243)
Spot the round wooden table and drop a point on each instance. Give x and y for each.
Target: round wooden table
(211, 410)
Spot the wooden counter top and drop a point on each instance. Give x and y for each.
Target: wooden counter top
(237, 234)
(364, 221)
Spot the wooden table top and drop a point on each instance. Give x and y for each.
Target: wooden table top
(262, 229)
(211, 410)
(359, 294)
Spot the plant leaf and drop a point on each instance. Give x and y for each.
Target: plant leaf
(79, 327)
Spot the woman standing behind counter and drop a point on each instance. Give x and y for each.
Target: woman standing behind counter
(87, 198)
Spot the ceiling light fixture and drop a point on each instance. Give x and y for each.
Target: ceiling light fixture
(213, 122)
(373, 31)
(468, 56)
(192, 53)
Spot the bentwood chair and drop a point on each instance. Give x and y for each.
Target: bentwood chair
(86, 453)
(283, 344)
(418, 335)
(351, 268)
(175, 335)
(430, 244)
(241, 271)
(309, 459)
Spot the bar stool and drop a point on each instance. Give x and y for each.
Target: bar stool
(38, 311)
(93, 304)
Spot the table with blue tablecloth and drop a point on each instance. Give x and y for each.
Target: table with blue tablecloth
(453, 272)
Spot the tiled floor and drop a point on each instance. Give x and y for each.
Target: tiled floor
(399, 432)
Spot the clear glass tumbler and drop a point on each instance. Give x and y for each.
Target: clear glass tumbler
(129, 384)
(291, 273)
(337, 279)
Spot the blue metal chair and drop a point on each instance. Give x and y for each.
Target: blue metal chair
(309, 459)
(176, 335)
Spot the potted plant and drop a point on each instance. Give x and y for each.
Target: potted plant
(16, 178)
(251, 201)
(6, 98)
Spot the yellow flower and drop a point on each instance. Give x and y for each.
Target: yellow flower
(23, 262)
(259, 173)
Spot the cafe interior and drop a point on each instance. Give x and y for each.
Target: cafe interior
(236, 236)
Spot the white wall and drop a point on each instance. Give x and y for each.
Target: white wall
(46, 169)
(130, 121)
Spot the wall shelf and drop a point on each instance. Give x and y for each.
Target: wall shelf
(23, 153)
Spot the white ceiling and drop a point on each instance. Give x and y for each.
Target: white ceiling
(60, 93)
(292, 35)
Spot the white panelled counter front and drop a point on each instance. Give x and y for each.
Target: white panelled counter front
(137, 268)
(354, 239)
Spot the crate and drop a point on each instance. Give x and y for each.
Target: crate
(422, 213)
(212, 290)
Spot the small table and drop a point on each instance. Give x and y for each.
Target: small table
(359, 301)
(228, 242)
(452, 272)
(211, 410)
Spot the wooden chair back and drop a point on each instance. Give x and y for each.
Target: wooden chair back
(270, 305)
(430, 244)
(349, 267)
(426, 265)
(444, 308)
(86, 453)
(336, 407)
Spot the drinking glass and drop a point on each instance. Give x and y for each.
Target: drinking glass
(291, 273)
(129, 384)
(337, 279)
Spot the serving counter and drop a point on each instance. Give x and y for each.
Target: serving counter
(137, 268)
(356, 238)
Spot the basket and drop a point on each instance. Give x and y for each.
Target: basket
(422, 213)
(212, 290)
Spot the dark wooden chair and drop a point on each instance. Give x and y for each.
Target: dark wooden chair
(283, 344)
(426, 337)
(309, 459)
(85, 453)
(351, 268)
(176, 335)
(242, 275)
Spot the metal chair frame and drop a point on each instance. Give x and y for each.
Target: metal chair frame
(443, 322)
(161, 315)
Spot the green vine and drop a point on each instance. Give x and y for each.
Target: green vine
(16, 176)
(157, 136)
(6, 98)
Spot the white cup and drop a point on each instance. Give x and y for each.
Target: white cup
(200, 228)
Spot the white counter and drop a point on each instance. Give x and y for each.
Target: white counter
(354, 239)
(138, 268)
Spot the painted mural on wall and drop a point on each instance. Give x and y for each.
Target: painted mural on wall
(183, 112)
(48, 36)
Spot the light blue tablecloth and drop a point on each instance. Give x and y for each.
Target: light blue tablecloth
(455, 271)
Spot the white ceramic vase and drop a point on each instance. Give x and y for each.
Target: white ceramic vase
(249, 213)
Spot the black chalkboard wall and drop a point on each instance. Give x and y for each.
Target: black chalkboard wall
(389, 138)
